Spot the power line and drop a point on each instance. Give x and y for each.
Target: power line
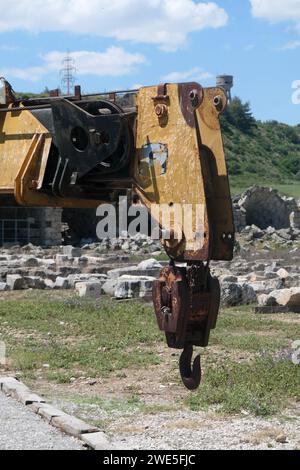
(67, 73)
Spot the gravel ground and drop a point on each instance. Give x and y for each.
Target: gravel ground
(180, 430)
(191, 430)
(21, 429)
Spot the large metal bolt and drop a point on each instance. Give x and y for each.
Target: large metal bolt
(218, 102)
(194, 97)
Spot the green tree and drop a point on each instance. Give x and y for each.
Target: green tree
(239, 115)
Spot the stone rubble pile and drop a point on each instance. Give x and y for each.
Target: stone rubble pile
(268, 239)
(266, 281)
(125, 268)
(94, 269)
(138, 244)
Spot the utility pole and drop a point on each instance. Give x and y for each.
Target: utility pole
(67, 74)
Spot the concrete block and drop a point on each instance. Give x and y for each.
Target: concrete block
(15, 282)
(61, 283)
(73, 426)
(49, 412)
(97, 441)
(27, 397)
(13, 387)
(88, 289)
(86, 277)
(128, 287)
(8, 382)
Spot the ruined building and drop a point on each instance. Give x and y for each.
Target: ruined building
(265, 207)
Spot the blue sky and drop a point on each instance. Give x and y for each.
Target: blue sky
(123, 43)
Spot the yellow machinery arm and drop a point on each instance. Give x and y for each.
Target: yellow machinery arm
(167, 148)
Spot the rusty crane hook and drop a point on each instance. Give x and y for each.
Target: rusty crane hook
(191, 376)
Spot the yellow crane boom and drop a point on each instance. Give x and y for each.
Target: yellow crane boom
(166, 147)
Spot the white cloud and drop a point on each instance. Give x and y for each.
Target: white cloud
(165, 23)
(115, 61)
(194, 74)
(32, 74)
(290, 46)
(277, 10)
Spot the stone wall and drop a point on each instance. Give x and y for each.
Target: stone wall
(21, 225)
(265, 207)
